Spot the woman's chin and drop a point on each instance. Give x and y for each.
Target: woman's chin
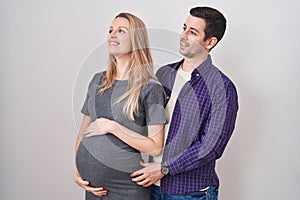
(118, 54)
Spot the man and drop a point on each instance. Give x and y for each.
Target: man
(202, 106)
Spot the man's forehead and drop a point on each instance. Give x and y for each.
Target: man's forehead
(195, 22)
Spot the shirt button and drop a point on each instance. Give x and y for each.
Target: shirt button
(168, 97)
(197, 74)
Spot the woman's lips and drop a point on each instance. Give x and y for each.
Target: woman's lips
(113, 43)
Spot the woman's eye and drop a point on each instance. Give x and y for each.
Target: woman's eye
(110, 31)
(121, 31)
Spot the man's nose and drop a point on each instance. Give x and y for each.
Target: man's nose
(184, 34)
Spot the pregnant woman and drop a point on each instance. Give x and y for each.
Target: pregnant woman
(123, 116)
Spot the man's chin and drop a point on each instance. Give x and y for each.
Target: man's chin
(183, 51)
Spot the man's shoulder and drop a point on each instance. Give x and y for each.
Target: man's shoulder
(226, 80)
(216, 75)
(222, 83)
(216, 80)
(167, 67)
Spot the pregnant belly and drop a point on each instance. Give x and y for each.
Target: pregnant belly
(102, 161)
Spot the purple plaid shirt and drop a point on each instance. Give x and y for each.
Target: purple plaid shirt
(201, 125)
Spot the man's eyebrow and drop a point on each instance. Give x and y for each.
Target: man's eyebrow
(191, 28)
(194, 29)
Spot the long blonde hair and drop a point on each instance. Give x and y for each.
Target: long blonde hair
(141, 66)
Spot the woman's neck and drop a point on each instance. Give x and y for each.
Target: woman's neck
(122, 64)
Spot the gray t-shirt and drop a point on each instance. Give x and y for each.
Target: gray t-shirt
(107, 156)
(151, 104)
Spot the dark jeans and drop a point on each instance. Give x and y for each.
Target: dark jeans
(210, 194)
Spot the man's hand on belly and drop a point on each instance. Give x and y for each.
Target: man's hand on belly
(147, 175)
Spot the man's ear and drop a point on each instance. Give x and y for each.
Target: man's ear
(210, 43)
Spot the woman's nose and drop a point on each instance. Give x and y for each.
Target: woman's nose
(112, 34)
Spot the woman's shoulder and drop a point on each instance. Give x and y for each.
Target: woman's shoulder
(98, 76)
(153, 86)
(97, 79)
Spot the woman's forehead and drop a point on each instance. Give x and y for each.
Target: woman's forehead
(120, 22)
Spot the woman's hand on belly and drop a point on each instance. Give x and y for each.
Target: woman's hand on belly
(85, 185)
(100, 126)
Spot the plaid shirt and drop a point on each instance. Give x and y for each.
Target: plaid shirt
(201, 125)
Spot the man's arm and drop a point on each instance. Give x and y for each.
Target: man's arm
(216, 135)
(211, 146)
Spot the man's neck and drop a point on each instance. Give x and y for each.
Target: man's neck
(189, 64)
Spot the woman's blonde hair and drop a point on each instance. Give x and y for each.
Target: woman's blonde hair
(141, 66)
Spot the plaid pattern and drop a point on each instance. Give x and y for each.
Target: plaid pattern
(201, 125)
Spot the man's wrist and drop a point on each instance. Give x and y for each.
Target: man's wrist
(164, 169)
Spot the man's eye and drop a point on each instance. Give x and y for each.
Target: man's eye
(193, 33)
(184, 28)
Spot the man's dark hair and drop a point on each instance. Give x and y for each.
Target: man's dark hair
(215, 21)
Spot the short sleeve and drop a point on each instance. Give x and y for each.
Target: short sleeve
(85, 109)
(91, 90)
(154, 104)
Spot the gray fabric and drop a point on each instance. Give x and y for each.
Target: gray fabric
(107, 161)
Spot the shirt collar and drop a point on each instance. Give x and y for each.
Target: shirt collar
(201, 69)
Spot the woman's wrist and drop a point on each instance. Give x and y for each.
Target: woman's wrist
(113, 127)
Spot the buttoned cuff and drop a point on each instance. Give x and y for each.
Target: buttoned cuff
(174, 166)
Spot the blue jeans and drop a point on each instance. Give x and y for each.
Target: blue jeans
(210, 194)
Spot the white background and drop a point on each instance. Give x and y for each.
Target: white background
(43, 45)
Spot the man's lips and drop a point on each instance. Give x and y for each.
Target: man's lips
(184, 44)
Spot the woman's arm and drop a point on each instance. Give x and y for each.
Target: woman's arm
(151, 145)
(86, 120)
